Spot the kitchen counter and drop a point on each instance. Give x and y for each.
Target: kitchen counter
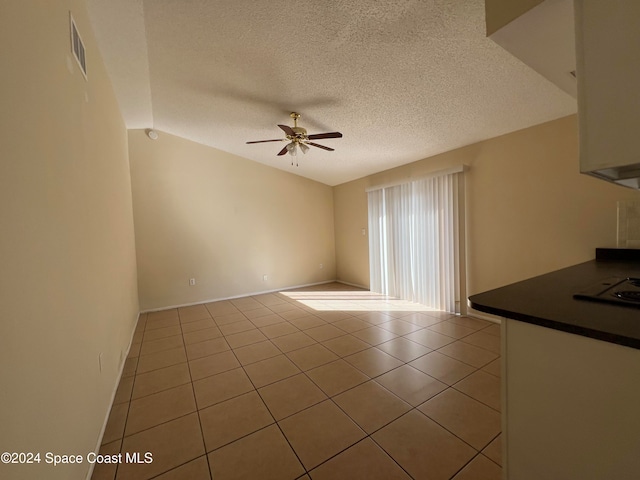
(570, 369)
(547, 301)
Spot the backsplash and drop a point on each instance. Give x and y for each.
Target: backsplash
(629, 224)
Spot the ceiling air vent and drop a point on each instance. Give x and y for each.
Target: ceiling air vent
(77, 46)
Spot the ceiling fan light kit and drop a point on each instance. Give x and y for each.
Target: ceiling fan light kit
(299, 139)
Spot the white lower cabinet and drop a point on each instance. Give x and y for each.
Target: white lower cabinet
(570, 406)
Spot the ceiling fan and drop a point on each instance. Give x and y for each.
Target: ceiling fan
(298, 138)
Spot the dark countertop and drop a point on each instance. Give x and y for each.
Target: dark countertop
(548, 301)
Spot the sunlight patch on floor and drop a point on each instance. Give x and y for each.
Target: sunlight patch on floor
(354, 300)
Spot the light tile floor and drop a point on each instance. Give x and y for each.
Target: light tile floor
(329, 382)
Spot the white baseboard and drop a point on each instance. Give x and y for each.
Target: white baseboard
(113, 396)
(219, 299)
(352, 284)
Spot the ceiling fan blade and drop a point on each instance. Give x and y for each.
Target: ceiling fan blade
(284, 150)
(288, 130)
(264, 141)
(318, 136)
(320, 146)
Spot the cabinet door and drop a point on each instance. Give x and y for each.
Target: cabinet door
(572, 406)
(608, 74)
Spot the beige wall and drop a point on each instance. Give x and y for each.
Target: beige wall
(225, 221)
(68, 274)
(352, 248)
(529, 211)
(498, 13)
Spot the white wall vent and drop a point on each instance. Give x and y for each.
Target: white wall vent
(77, 47)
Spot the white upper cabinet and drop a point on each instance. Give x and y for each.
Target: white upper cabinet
(597, 41)
(608, 70)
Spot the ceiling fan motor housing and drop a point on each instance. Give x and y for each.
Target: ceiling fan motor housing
(300, 131)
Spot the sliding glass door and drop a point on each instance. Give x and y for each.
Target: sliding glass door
(414, 240)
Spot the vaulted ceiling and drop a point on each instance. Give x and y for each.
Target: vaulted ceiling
(402, 80)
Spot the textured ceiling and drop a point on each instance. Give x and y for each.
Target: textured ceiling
(403, 80)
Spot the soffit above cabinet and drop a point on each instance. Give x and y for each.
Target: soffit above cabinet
(543, 38)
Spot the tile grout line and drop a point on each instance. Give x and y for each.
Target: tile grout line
(305, 371)
(444, 427)
(395, 419)
(124, 429)
(328, 397)
(181, 416)
(367, 434)
(331, 399)
(306, 408)
(195, 401)
(465, 465)
(339, 357)
(275, 422)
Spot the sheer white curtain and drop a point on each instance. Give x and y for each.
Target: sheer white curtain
(414, 241)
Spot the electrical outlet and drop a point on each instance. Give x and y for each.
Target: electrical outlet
(265, 278)
(192, 281)
(364, 232)
(321, 266)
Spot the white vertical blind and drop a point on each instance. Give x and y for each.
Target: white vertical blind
(413, 241)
